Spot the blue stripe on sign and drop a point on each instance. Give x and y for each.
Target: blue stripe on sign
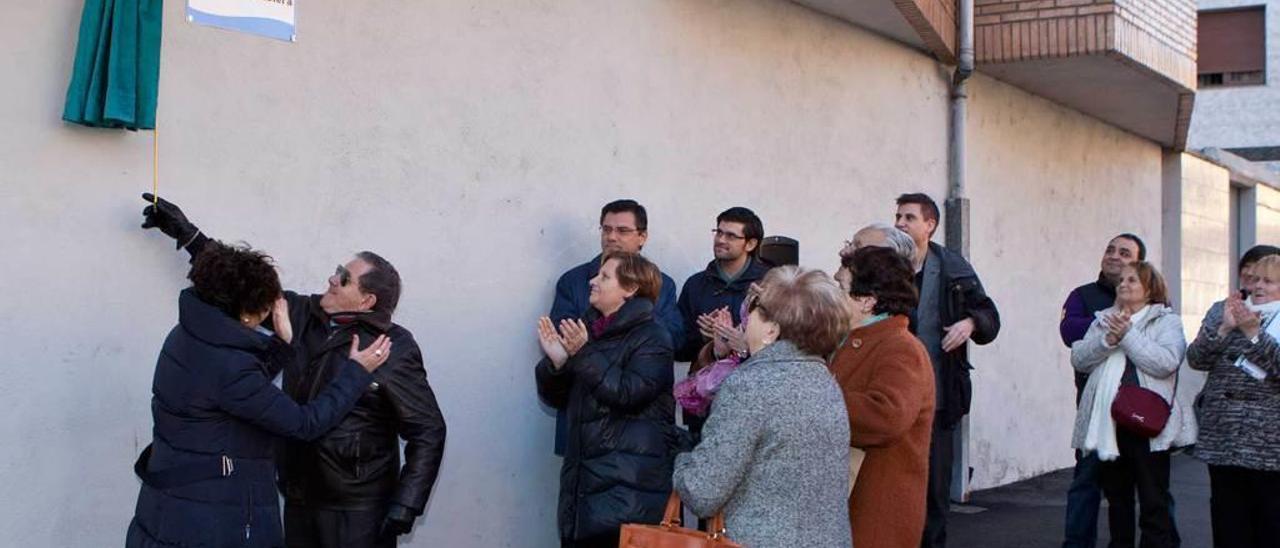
(270, 28)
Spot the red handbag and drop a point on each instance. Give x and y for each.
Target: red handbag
(669, 533)
(1140, 411)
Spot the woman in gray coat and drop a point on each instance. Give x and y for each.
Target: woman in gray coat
(1138, 341)
(774, 455)
(1239, 411)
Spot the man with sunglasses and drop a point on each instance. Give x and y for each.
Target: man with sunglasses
(624, 227)
(348, 488)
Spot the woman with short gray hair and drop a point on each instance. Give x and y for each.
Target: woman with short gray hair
(774, 455)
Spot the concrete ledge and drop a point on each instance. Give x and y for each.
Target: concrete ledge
(1242, 170)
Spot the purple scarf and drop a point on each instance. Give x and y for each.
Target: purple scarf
(601, 324)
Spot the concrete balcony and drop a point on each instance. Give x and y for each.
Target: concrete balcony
(928, 25)
(1130, 63)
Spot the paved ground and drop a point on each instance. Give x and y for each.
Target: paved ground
(1029, 514)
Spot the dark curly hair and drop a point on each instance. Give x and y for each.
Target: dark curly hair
(235, 278)
(882, 273)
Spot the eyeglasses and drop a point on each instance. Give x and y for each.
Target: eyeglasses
(753, 304)
(619, 230)
(344, 275)
(846, 261)
(727, 235)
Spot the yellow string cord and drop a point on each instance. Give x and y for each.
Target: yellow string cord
(155, 166)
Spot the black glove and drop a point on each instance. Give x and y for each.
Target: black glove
(399, 521)
(169, 219)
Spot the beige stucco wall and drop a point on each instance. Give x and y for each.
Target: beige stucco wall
(1050, 188)
(472, 143)
(1268, 215)
(1206, 232)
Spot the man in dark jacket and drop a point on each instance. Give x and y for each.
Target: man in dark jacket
(1085, 495)
(954, 309)
(723, 284)
(347, 489)
(624, 227)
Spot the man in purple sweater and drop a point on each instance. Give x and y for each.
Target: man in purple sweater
(1084, 496)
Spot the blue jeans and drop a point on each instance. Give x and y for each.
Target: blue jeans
(1083, 498)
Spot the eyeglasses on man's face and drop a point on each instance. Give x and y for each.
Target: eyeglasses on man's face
(619, 230)
(727, 235)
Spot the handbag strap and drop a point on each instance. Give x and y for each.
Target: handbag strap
(1129, 367)
(671, 517)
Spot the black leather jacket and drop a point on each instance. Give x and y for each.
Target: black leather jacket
(356, 466)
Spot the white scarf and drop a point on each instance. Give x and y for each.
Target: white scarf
(1272, 328)
(1100, 436)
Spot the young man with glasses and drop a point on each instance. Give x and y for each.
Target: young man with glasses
(348, 488)
(711, 300)
(624, 227)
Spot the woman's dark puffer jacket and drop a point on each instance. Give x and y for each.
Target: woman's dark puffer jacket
(212, 397)
(617, 394)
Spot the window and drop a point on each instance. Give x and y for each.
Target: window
(1232, 47)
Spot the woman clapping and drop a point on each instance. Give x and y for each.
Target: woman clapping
(1138, 342)
(612, 373)
(1239, 411)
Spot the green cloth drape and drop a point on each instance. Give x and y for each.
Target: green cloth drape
(117, 71)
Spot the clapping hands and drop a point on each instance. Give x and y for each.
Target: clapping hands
(726, 338)
(560, 345)
(707, 322)
(1236, 315)
(1117, 324)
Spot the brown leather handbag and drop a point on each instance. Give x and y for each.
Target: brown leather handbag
(669, 533)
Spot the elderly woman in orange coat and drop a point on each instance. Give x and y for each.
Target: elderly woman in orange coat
(887, 381)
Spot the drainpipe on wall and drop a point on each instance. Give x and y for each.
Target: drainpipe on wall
(957, 207)
(957, 230)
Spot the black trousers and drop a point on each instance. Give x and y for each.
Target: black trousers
(938, 503)
(1146, 473)
(1245, 507)
(311, 528)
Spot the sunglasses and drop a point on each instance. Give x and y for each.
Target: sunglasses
(344, 275)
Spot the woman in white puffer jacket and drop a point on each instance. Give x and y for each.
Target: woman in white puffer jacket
(1139, 341)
